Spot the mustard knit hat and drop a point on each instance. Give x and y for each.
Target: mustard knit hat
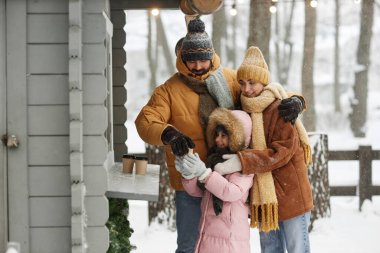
(254, 67)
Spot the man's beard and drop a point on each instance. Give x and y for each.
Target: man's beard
(200, 72)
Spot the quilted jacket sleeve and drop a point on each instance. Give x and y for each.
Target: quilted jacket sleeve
(191, 187)
(153, 117)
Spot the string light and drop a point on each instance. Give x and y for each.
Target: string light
(313, 3)
(233, 11)
(155, 12)
(273, 9)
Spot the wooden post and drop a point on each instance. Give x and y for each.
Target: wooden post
(365, 174)
(318, 176)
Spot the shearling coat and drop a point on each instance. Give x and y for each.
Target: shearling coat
(228, 232)
(175, 104)
(284, 157)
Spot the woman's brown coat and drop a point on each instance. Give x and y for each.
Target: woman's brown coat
(284, 157)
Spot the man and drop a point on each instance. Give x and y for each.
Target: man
(176, 116)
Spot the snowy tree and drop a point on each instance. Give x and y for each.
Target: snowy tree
(358, 116)
(308, 65)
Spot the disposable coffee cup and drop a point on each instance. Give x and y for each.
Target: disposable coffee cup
(128, 162)
(141, 164)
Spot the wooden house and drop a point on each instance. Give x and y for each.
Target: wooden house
(62, 118)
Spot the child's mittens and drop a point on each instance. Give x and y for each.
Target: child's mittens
(185, 172)
(192, 162)
(232, 164)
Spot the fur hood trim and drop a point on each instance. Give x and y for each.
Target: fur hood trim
(237, 123)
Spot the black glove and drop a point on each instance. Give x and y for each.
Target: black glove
(179, 142)
(290, 108)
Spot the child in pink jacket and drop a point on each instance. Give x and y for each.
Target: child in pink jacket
(224, 224)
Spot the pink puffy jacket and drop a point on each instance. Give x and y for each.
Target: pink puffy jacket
(229, 231)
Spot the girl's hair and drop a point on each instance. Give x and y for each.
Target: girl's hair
(220, 128)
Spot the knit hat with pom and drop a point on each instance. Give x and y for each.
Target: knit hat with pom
(197, 45)
(254, 67)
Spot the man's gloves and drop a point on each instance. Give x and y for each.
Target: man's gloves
(179, 142)
(232, 164)
(290, 108)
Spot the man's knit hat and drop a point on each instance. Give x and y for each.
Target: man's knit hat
(254, 67)
(197, 45)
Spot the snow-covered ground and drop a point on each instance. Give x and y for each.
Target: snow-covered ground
(346, 231)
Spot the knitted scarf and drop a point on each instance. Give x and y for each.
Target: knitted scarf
(206, 102)
(217, 86)
(213, 92)
(263, 199)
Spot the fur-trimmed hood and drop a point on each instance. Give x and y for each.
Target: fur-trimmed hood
(237, 123)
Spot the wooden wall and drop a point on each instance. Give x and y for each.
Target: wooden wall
(48, 124)
(3, 127)
(119, 59)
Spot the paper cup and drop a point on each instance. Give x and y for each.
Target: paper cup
(128, 162)
(141, 165)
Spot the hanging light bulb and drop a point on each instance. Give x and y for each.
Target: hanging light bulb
(274, 1)
(155, 12)
(357, 1)
(233, 11)
(313, 3)
(273, 9)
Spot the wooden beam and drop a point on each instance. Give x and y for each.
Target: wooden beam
(144, 4)
(343, 155)
(375, 190)
(343, 191)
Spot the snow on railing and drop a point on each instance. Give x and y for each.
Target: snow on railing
(13, 247)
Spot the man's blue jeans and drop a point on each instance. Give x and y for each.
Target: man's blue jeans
(292, 237)
(188, 215)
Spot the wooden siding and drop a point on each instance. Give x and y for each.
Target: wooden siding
(55, 90)
(54, 150)
(52, 59)
(119, 59)
(54, 119)
(46, 26)
(3, 128)
(58, 236)
(49, 125)
(18, 199)
(56, 212)
(48, 181)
